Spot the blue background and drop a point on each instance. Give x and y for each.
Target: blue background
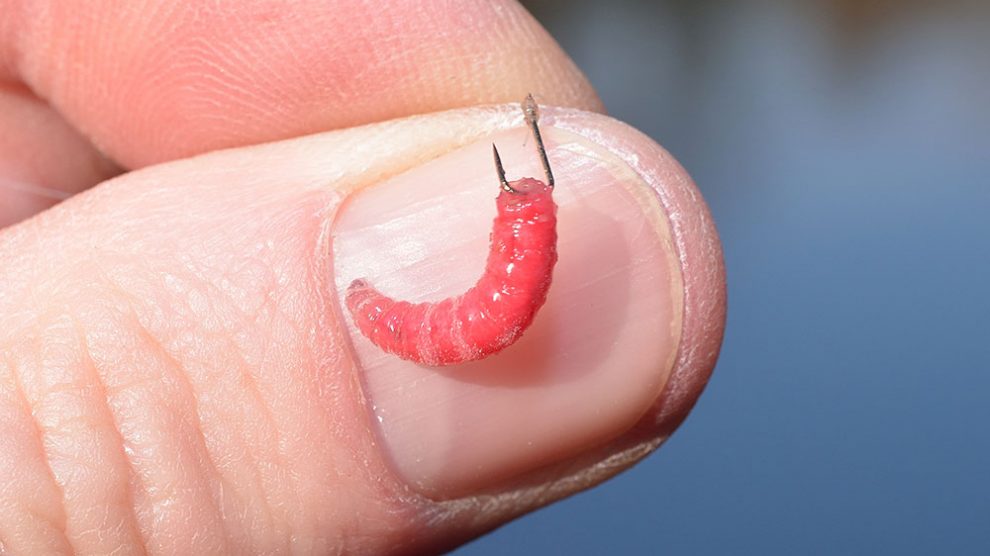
(844, 149)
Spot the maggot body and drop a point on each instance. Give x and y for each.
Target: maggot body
(496, 311)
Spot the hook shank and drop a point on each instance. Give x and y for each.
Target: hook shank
(532, 113)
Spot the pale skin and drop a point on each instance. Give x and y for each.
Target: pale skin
(174, 376)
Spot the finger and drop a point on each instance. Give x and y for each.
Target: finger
(43, 160)
(190, 340)
(156, 80)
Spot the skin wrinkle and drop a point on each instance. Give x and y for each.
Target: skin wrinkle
(248, 378)
(280, 463)
(56, 523)
(132, 477)
(151, 343)
(221, 302)
(61, 426)
(252, 386)
(213, 474)
(251, 383)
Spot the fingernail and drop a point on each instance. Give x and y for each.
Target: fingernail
(593, 362)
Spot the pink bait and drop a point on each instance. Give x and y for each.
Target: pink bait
(495, 312)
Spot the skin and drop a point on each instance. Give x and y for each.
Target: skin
(174, 377)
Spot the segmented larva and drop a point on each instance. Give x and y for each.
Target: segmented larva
(501, 305)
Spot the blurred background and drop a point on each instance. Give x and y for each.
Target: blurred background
(844, 149)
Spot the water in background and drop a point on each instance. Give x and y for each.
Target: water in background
(844, 148)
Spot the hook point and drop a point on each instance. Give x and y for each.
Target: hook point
(501, 171)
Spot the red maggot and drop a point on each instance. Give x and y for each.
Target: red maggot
(495, 312)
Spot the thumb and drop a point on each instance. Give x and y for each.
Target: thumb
(177, 372)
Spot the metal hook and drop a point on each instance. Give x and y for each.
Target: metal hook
(532, 114)
(501, 171)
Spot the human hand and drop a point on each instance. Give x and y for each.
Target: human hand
(176, 375)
